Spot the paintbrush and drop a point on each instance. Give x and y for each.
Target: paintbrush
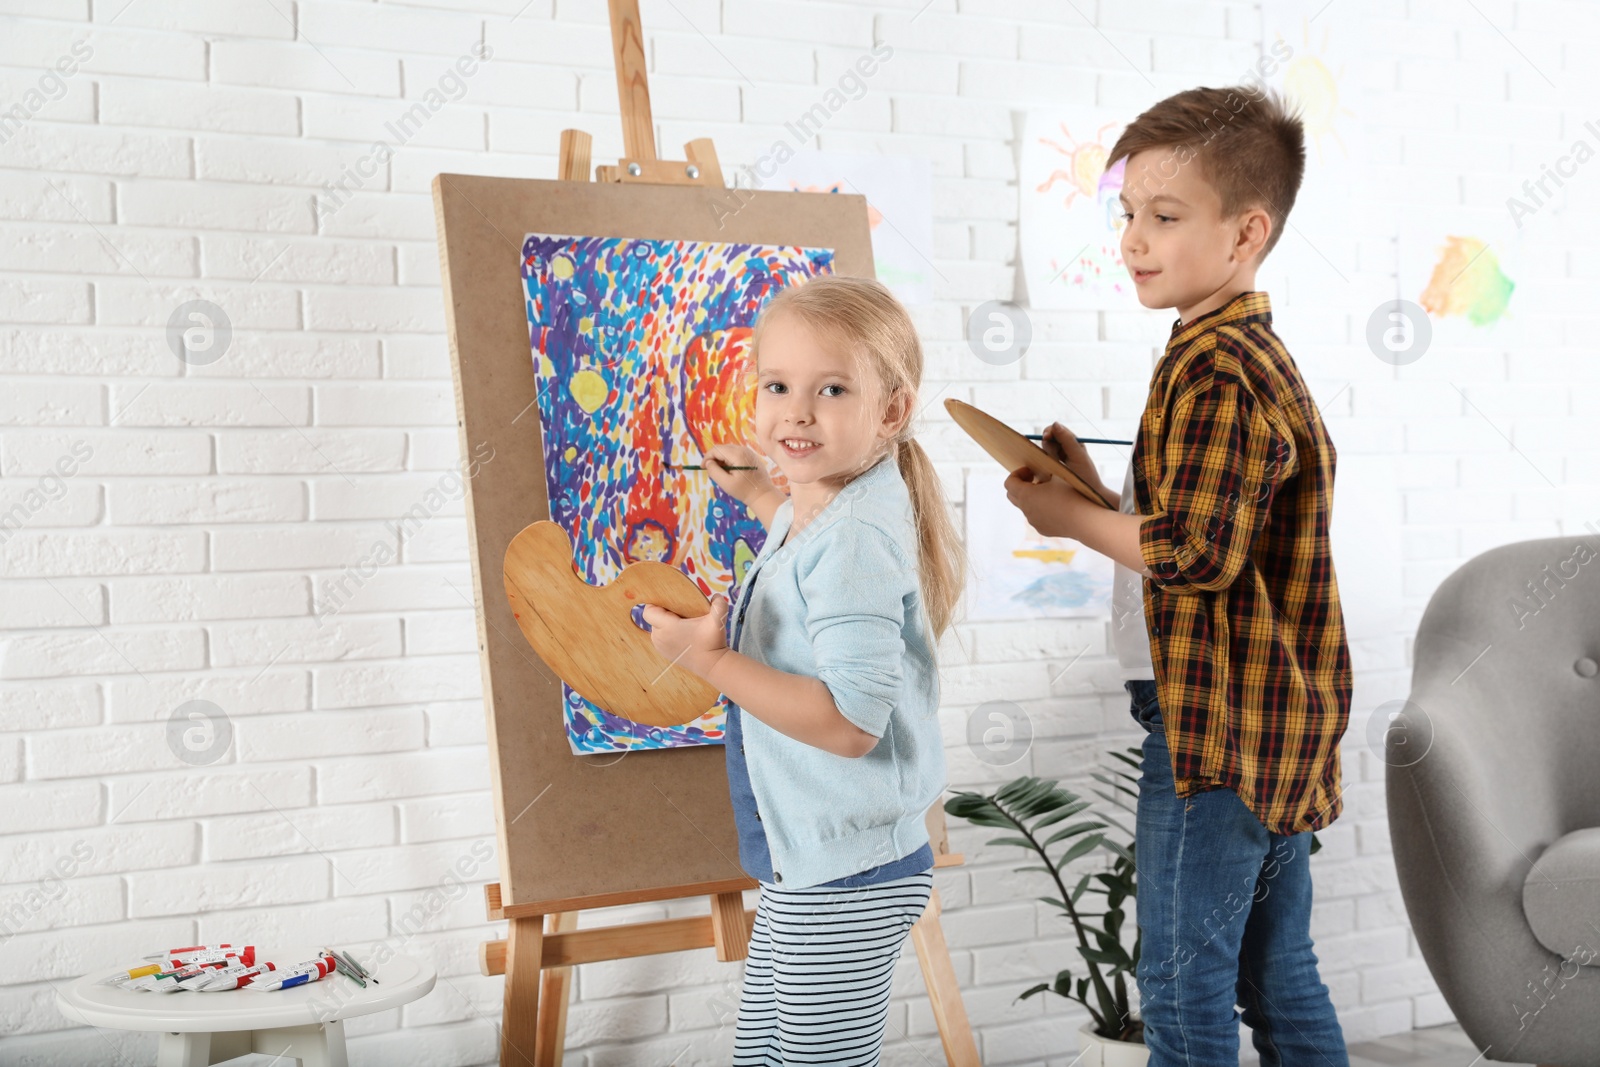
(687, 467)
(1085, 440)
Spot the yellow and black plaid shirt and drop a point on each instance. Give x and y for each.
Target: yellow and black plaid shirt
(1233, 471)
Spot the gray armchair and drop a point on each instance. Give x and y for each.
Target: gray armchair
(1494, 799)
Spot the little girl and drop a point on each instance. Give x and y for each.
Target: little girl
(833, 745)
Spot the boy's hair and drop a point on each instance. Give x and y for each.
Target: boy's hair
(863, 318)
(1250, 146)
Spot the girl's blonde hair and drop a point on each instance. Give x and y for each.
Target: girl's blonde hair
(864, 317)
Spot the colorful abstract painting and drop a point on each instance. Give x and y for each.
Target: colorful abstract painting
(1072, 221)
(641, 352)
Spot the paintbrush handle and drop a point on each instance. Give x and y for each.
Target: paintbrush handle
(1085, 440)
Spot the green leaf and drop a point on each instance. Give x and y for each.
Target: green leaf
(1120, 804)
(1020, 842)
(1063, 813)
(1078, 892)
(1081, 848)
(964, 804)
(1073, 831)
(1095, 955)
(1031, 990)
(1112, 798)
(1043, 797)
(1053, 818)
(1119, 850)
(1128, 757)
(1115, 777)
(1016, 790)
(976, 809)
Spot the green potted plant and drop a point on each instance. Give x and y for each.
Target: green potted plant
(1028, 808)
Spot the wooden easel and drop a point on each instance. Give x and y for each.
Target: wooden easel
(543, 939)
(533, 1029)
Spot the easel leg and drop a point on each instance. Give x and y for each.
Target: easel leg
(574, 159)
(940, 977)
(730, 926)
(555, 985)
(519, 1023)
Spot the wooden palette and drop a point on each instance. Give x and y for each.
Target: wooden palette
(1014, 450)
(587, 635)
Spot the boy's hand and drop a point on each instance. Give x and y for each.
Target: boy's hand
(693, 644)
(1050, 505)
(1062, 445)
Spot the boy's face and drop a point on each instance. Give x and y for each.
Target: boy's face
(1180, 251)
(815, 416)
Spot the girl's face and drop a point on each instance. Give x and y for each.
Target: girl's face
(815, 415)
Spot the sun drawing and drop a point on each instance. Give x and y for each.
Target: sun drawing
(1085, 163)
(1315, 89)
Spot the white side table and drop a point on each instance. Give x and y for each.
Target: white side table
(197, 1029)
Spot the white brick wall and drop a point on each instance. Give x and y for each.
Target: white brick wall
(221, 150)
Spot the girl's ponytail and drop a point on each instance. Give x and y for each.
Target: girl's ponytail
(942, 565)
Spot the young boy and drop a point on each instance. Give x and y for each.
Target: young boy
(1246, 691)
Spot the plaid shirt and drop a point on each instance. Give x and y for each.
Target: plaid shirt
(1233, 473)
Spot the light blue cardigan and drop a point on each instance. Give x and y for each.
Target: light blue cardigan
(841, 601)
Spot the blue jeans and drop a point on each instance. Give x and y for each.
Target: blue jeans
(1224, 908)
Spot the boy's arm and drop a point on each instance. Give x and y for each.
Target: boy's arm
(1223, 464)
(1110, 533)
(793, 704)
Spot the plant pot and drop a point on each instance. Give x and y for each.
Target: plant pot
(1097, 1051)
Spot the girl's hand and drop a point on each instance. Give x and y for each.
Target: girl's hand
(1062, 445)
(744, 486)
(693, 644)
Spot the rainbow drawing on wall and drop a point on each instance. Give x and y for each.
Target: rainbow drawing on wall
(641, 352)
(1467, 283)
(1071, 217)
